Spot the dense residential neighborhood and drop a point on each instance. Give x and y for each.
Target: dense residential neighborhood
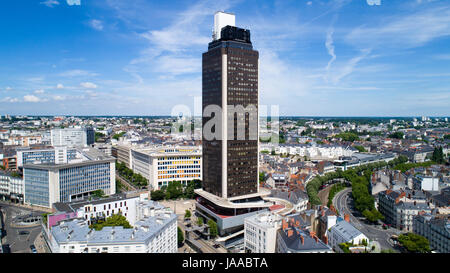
(101, 151)
(68, 167)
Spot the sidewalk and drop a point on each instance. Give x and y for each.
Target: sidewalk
(36, 208)
(40, 244)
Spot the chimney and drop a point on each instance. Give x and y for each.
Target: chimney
(303, 239)
(347, 218)
(290, 233)
(415, 203)
(325, 239)
(316, 238)
(284, 224)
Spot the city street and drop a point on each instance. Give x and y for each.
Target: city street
(18, 243)
(342, 201)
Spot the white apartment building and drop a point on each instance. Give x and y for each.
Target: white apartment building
(311, 151)
(344, 232)
(161, 165)
(154, 232)
(102, 208)
(72, 137)
(12, 187)
(260, 232)
(426, 183)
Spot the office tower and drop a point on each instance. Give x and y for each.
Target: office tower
(230, 80)
(230, 190)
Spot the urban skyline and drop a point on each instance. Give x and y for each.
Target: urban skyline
(316, 127)
(335, 58)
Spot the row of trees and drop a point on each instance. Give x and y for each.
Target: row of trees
(334, 189)
(408, 166)
(360, 180)
(134, 178)
(175, 190)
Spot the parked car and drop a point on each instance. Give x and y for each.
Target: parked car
(33, 249)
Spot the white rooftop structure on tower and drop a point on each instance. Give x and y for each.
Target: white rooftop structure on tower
(222, 19)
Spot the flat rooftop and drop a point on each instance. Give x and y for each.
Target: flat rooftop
(226, 203)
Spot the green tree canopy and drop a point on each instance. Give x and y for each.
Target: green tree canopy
(114, 220)
(414, 243)
(180, 236)
(157, 195)
(187, 214)
(213, 232)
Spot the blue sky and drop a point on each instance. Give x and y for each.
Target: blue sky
(142, 57)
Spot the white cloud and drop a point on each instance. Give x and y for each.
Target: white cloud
(32, 98)
(330, 47)
(9, 99)
(88, 85)
(40, 91)
(309, 3)
(74, 2)
(96, 24)
(59, 86)
(58, 97)
(77, 73)
(348, 68)
(173, 49)
(408, 31)
(50, 3)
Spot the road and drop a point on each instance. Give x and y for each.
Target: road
(18, 243)
(342, 201)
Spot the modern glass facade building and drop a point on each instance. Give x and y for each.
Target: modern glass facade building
(37, 187)
(46, 184)
(230, 81)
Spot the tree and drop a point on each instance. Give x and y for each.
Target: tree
(372, 215)
(114, 220)
(348, 136)
(438, 155)
(261, 176)
(414, 243)
(213, 232)
(360, 149)
(397, 135)
(190, 187)
(157, 195)
(180, 237)
(187, 214)
(98, 193)
(98, 135)
(174, 190)
(200, 221)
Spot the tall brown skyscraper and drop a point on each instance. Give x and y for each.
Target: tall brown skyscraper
(230, 81)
